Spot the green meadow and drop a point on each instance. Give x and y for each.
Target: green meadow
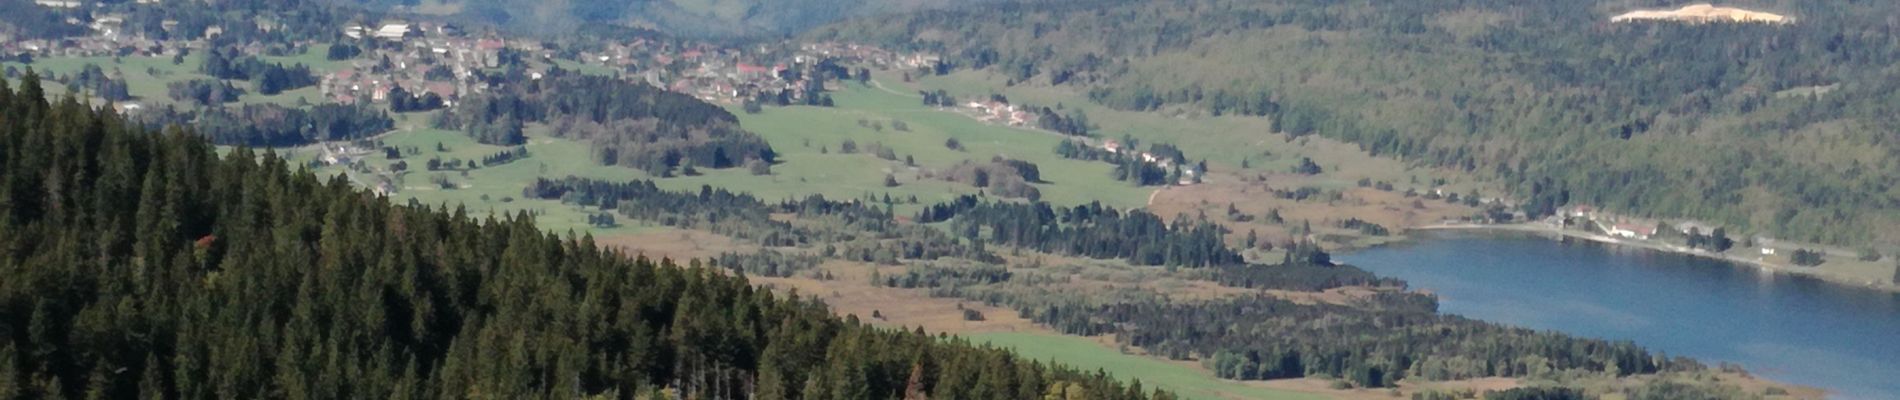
(1081, 353)
(808, 140)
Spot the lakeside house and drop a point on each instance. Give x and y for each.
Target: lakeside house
(1632, 230)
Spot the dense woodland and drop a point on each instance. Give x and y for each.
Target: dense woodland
(148, 265)
(1390, 337)
(1090, 230)
(269, 78)
(271, 125)
(626, 124)
(1785, 130)
(204, 92)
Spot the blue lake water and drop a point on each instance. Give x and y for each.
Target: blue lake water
(1791, 329)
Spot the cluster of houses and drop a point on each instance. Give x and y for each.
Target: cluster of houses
(406, 58)
(1637, 229)
(1610, 224)
(721, 79)
(714, 74)
(997, 112)
(869, 55)
(108, 38)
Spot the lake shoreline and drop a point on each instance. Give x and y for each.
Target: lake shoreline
(1672, 249)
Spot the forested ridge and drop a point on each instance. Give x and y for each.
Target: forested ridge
(147, 265)
(1787, 130)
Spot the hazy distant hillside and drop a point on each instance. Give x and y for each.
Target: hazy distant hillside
(718, 18)
(1711, 121)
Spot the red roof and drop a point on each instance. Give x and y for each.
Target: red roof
(443, 89)
(752, 69)
(490, 44)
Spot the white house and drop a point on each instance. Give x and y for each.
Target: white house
(393, 31)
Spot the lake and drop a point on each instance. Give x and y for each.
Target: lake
(1791, 329)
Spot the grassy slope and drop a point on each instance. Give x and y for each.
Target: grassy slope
(1081, 353)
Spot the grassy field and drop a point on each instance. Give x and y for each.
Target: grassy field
(1084, 354)
(808, 139)
(147, 77)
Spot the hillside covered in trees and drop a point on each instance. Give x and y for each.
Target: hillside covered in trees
(145, 265)
(1782, 129)
(627, 124)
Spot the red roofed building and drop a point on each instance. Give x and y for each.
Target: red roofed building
(1633, 230)
(445, 90)
(747, 71)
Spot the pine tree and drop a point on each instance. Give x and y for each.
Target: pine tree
(11, 386)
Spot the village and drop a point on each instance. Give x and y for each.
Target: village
(422, 58)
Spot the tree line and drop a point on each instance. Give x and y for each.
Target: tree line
(269, 78)
(271, 125)
(1090, 230)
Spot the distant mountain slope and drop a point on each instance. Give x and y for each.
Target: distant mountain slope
(1701, 121)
